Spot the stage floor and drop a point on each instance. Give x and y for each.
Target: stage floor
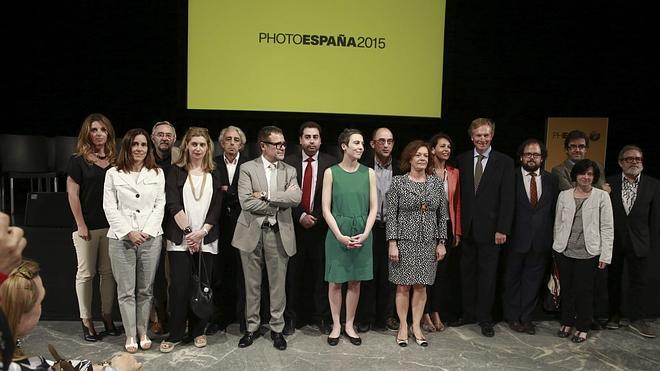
(462, 348)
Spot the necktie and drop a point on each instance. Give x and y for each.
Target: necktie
(307, 186)
(272, 188)
(478, 172)
(533, 193)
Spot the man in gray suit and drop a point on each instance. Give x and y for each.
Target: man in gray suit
(576, 145)
(267, 190)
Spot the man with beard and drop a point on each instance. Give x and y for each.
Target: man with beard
(306, 290)
(163, 137)
(636, 205)
(530, 246)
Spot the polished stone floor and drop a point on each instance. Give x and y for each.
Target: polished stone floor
(462, 348)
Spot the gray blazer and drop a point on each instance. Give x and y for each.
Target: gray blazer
(254, 211)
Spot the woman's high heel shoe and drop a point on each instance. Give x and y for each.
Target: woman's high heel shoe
(89, 334)
(110, 328)
(145, 342)
(131, 346)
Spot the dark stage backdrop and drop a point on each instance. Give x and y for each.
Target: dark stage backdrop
(517, 62)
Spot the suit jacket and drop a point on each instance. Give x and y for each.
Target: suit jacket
(563, 172)
(231, 206)
(134, 205)
(176, 179)
(324, 162)
(640, 227)
(254, 211)
(532, 227)
(597, 223)
(490, 209)
(454, 198)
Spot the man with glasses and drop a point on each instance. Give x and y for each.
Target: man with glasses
(530, 246)
(577, 145)
(376, 307)
(267, 190)
(163, 137)
(636, 206)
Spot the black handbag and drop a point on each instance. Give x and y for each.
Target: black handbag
(201, 299)
(552, 298)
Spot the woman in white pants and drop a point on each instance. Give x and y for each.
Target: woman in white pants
(134, 204)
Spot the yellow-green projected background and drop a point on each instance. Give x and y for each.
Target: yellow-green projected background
(233, 66)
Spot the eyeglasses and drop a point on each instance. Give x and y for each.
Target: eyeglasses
(278, 145)
(382, 141)
(165, 135)
(577, 146)
(534, 155)
(630, 160)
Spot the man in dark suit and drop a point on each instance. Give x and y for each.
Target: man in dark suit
(487, 212)
(306, 289)
(636, 206)
(530, 244)
(376, 307)
(229, 287)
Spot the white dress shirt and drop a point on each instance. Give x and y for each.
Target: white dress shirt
(527, 180)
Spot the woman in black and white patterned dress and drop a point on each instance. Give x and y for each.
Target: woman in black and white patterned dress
(416, 233)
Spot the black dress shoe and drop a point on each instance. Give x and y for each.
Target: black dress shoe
(279, 342)
(529, 328)
(324, 327)
(516, 326)
(289, 328)
(248, 339)
(110, 328)
(595, 325)
(88, 335)
(213, 329)
(354, 341)
(363, 326)
(487, 330)
(460, 322)
(333, 341)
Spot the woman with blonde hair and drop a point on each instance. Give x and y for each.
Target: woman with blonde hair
(194, 203)
(134, 203)
(21, 296)
(95, 154)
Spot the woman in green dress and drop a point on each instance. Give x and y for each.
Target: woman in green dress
(349, 207)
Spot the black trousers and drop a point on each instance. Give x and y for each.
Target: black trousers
(576, 281)
(376, 303)
(444, 296)
(182, 265)
(306, 289)
(523, 277)
(479, 264)
(160, 288)
(637, 280)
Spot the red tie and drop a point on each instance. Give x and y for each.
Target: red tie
(533, 194)
(307, 186)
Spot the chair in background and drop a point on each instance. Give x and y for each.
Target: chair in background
(64, 147)
(25, 157)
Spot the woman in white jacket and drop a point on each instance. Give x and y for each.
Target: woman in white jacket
(134, 204)
(583, 237)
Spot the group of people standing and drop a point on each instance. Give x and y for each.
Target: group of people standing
(363, 237)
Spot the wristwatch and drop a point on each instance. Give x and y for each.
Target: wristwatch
(264, 196)
(187, 230)
(443, 241)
